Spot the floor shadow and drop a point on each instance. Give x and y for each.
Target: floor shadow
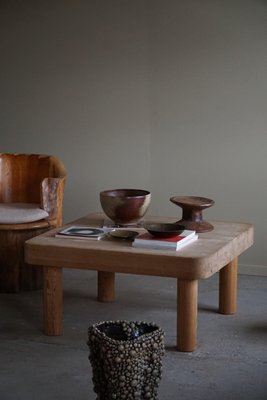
(259, 329)
(207, 308)
(72, 294)
(171, 348)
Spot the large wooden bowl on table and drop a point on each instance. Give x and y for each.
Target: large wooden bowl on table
(125, 206)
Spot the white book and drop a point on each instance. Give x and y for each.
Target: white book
(147, 241)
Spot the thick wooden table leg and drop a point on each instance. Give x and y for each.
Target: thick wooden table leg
(52, 301)
(228, 288)
(106, 286)
(187, 296)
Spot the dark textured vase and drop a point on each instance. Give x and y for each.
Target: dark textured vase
(126, 359)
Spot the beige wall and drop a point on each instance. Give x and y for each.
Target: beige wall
(168, 95)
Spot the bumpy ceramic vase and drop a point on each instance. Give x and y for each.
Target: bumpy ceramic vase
(126, 359)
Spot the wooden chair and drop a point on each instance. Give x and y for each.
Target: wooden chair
(31, 199)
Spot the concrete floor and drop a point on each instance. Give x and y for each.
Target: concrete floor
(229, 363)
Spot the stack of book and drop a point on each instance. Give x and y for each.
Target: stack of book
(147, 241)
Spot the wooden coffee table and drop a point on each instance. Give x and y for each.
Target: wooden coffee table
(214, 251)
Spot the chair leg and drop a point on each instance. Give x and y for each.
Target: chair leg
(15, 274)
(9, 264)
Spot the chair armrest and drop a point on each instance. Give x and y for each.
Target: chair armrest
(52, 190)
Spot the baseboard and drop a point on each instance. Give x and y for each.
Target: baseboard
(260, 270)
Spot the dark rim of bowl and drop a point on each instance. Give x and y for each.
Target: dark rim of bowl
(154, 227)
(125, 193)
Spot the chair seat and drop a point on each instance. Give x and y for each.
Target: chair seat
(20, 213)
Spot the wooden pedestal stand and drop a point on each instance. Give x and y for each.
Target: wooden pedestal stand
(192, 207)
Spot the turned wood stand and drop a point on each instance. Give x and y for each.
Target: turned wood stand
(193, 207)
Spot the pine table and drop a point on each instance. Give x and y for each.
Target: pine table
(215, 251)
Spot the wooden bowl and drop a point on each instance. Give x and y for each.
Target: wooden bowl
(125, 206)
(164, 230)
(123, 234)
